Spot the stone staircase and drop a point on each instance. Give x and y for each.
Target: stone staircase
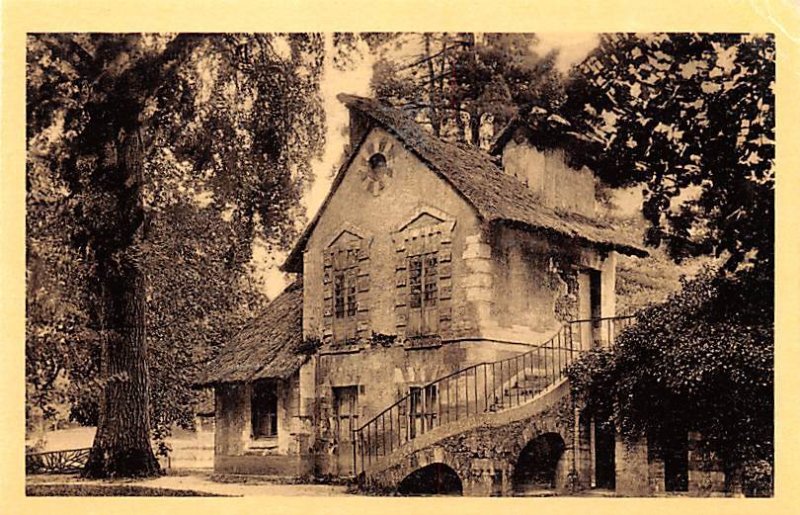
(468, 396)
(524, 386)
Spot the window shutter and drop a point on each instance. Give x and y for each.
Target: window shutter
(327, 295)
(346, 289)
(423, 284)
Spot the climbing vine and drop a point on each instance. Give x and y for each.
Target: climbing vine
(702, 360)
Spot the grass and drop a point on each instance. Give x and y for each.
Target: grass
(109, 490)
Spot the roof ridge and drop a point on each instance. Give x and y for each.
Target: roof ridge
(475, 177)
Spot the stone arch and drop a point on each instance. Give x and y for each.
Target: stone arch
(539, 465)
(432, 479)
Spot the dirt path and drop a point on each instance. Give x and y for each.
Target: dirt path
(202, 483)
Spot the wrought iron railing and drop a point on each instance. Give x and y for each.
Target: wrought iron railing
(483, 388)
(56, 462)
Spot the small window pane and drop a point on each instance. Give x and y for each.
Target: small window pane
(338, 294)
(264, 410)
(351, 292)
(431, 287)
(415, 281)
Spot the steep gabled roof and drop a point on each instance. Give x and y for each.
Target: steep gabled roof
(496, 196)
(269, 347)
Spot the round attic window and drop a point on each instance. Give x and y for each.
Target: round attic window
(377, 162)
(376, 172)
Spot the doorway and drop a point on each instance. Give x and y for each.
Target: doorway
(345, 420)
(605, 451)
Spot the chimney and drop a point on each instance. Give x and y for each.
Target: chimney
(359, 126)
(547, 172)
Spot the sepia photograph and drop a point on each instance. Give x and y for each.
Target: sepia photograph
(392, 264)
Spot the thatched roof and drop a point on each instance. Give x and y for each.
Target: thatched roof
(496, 196)
(269, 347)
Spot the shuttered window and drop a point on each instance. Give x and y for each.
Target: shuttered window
(344, 302)
(344, 293)
(423, 294)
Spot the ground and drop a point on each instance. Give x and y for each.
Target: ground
(187, 484)
(189, 450)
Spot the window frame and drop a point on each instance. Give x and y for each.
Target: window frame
(346, 261)
(422, 414)
(259, 392)
(423, 292)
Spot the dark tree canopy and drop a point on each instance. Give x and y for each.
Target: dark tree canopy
(701, 361)
(154, 163)
(691, 117)
(458, 81)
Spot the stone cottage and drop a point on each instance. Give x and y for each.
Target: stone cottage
(429, 273)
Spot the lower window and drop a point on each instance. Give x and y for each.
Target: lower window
(264, 410)
(422, 411)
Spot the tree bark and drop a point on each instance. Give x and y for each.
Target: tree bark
(436, 121)
(475, 128)
(122, 445)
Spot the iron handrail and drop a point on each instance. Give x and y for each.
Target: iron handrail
(548, 359)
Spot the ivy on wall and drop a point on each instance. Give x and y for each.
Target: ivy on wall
(703, 360)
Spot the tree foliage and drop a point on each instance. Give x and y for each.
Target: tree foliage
(691, 117)
(226, 127)
(458, 81)
(702, 361)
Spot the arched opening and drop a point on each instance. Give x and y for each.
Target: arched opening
(537, 464)
(434, 479)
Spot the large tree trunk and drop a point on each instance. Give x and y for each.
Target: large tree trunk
(122, 445)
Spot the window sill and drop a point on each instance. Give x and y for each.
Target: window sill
(423, 342)
(263, 443)
(342, 348)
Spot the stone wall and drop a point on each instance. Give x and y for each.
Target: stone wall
(235, 451)
(384, 374)
(632, 468)
(483, 451)
(232, 415)
(382, 212)
(640, 469)
(706, 474)
(536, 286)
